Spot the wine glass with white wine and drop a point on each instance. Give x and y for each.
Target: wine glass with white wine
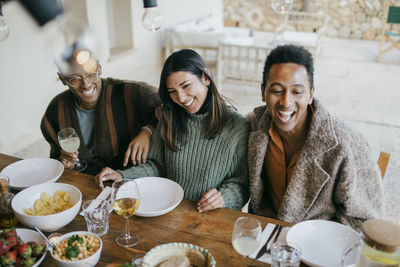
(125, 198)
(70, 142)
(246, 236)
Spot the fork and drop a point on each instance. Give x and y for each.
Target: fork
(104, 195)
(108, 199)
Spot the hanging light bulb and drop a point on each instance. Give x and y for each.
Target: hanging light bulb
(3, 26)
(282, 6)
(152, 18)
(77, 48)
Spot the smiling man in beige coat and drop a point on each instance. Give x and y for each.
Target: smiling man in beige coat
(304, 163)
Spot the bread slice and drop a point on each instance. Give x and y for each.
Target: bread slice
(197, 258)
(176, 261)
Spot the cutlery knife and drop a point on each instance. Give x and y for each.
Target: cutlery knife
(276, 238)
(264, 247)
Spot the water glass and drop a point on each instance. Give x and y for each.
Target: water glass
(284, 254)
(97, 212)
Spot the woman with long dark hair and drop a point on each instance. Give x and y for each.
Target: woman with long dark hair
(200, 142)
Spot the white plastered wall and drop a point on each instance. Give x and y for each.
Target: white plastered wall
(28, 78)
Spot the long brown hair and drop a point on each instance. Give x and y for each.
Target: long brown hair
(174, 118)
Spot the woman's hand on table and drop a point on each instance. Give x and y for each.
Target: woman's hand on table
(106, 174)
(138, 148)
(68, 159)
(210, 200)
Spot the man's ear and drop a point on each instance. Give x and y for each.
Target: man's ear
(311, 96)
(263, 98)
(99, 69)
(62, 79)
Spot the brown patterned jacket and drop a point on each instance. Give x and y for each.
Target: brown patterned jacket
(335, 177)
(123, 108)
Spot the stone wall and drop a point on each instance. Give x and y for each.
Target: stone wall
(361, 19)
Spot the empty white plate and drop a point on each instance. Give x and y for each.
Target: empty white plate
(157, 196)
(28, 172)
(322, 242)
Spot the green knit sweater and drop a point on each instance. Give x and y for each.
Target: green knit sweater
(203, 164)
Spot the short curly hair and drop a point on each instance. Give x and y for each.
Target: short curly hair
(289, 54)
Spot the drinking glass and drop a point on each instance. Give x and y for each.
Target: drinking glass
(246, 236)
(125, 199)
(70, 142)
(96, 212)
(282, 6)
(285, 254)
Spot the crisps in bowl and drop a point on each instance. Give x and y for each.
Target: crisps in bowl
(47, 205)
(26, 198)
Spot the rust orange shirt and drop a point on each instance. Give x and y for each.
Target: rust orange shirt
(275, 167)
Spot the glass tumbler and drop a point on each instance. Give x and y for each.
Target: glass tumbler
(97, 213)
(284, 254)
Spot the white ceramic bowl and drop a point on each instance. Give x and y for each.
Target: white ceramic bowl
(322, 242)
(158, 196)
(48, 223)
(162, 252)
(89, 261)
(27, 235)
(30, 172)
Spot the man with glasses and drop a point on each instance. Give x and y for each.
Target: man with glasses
(113, 118)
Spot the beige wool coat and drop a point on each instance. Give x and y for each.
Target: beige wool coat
(335, 177)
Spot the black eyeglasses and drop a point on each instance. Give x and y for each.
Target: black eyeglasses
(77, 81)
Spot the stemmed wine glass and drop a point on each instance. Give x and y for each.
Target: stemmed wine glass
(282, 6)
(125, 198)
(70, 142)
(246, 236)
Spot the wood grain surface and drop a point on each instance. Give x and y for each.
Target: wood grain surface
(210, 230)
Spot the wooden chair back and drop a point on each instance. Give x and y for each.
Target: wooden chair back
(241, 64)
(391, 18)
(383, 162)
(208, 53)
(303, 28)
(305, 21)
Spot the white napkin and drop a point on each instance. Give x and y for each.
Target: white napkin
(264, 237)
(103, 195)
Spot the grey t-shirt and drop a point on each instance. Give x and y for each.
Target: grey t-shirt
(86, 123)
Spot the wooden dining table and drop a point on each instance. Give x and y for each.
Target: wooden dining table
(211, 230)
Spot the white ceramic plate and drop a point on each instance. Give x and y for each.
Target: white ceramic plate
(27, 235)
(158, 196)
(322, 242)
(162, 252)
(28, 172)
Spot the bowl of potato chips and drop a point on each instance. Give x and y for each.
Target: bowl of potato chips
(75, 249)
(48, 206)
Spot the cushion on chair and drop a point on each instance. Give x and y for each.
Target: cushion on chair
(307, 39)
(392, 33)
